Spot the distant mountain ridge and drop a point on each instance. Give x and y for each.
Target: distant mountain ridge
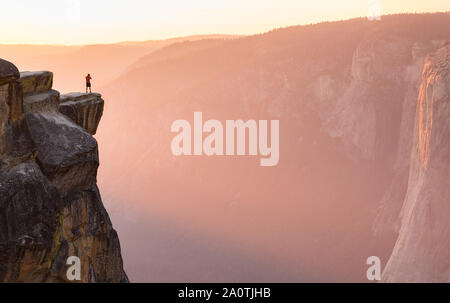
(71, 63)
(345, 94)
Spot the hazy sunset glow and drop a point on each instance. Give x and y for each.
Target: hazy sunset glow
(224, 141)
(102, 21)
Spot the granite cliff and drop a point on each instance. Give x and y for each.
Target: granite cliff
(422, 253)
(50, 205)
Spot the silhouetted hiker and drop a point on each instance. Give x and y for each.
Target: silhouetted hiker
(88, 83)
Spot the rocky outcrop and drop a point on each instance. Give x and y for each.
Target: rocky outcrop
(422, 251)
(15, 141)
(36, 82)
(84, 109)
(50, 206)
(67, 154)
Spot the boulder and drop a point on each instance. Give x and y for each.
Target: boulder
(15, 142)
(44, 101)
(36, 82)
(8, 72)
(67, 154)
(84, 109)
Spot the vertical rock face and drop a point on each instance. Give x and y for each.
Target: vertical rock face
(15, 141)
(422, 251)
(84, 109)
(50, 206)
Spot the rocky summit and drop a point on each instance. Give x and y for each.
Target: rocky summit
(50, 205)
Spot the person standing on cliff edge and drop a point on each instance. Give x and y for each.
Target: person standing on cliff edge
(88, 83)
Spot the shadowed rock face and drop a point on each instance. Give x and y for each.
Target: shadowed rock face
(422, 251)
(15, 142)
(8, 72)
(67, 154)
(50, 206)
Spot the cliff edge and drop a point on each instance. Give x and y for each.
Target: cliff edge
(422, 253)
(50, 206)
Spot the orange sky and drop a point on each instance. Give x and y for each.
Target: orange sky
(104, 21)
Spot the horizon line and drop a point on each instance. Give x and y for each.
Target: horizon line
(218, 34)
